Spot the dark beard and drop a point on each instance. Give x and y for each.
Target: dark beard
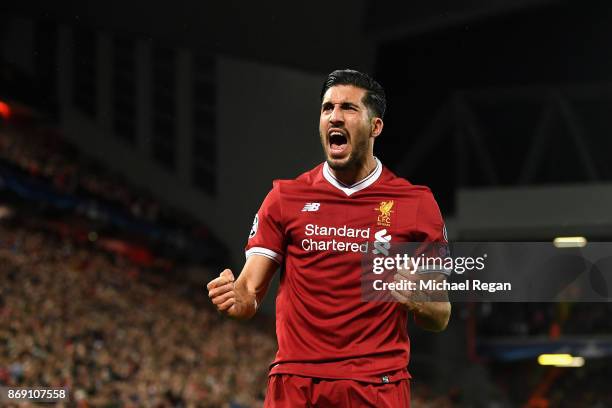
(355, 160)
(351, 164)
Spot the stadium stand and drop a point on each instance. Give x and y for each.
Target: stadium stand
(117, 334)
(37, 164)
(89, 303)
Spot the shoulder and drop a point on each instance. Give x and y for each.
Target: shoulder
(400, 184)
(304, 180)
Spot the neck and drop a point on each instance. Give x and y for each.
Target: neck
(354, 175)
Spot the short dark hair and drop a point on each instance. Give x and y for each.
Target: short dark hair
(374, 99)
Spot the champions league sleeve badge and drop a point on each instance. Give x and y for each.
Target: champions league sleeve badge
(254, 227)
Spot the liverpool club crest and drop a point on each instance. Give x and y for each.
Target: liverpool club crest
(385, 209)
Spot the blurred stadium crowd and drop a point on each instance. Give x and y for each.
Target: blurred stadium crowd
(116, 327)
(75, 317)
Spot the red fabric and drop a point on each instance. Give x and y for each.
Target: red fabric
(286, 391)
(323, 327)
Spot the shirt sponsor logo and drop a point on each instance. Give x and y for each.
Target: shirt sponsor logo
(311, 207)
(323, 238)
(343, 231)
(385, 209)
(382, 242)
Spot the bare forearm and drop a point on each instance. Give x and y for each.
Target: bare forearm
(246, 301)
(428, 314)
(433, 316)
(239, 298)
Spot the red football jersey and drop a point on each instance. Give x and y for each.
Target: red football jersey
(314, 227)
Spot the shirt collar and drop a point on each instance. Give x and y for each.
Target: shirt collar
(360, 185)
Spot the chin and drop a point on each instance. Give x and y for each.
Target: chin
(340, 164)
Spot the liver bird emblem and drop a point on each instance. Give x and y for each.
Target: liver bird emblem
(385, 208)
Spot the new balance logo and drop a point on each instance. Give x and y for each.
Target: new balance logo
(382, 243)
(311, 207)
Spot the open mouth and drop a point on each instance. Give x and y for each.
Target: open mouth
(338, 141)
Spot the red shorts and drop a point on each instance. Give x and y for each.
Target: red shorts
(286, 390)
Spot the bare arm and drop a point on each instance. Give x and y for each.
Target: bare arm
(433, 316)
(239, 298)
(429, 314)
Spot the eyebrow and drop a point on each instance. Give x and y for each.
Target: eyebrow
(343, 104)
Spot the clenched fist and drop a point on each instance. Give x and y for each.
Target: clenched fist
(221, 291)
(228, 298)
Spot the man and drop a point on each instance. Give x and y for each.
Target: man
(336, 350)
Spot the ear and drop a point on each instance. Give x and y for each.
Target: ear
(377, 126)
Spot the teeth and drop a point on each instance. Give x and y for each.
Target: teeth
(336, 134)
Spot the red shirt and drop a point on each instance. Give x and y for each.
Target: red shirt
(314, 227)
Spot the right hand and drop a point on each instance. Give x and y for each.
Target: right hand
(222, 292)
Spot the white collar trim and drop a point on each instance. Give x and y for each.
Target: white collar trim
(360, 185)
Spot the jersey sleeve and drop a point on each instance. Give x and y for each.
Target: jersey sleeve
(431, 231)
(267, 237)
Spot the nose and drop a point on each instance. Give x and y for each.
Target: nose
(337, 116)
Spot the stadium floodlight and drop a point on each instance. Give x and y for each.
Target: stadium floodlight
(560, 360)
(570, 242)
